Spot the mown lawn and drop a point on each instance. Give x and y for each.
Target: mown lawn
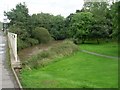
(110, 48)
(76, 71)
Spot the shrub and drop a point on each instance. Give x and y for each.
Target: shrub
(42, 35)
(21, 44)
(32, 41)
(26, 43)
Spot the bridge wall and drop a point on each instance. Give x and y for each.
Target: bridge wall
(12, 39)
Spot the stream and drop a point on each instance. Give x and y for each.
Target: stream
(27, 52)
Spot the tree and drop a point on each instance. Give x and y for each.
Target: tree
(58, 31)
(79, 26)
(114, 10)
(102, 25)
(68, 25)
(21, 33)
(19, 19)
(19, 24)
(18, 16)
(54, 24)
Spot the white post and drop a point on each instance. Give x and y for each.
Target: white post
(15, 47)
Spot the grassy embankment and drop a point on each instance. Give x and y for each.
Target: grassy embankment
(110, 48)
(77, 70)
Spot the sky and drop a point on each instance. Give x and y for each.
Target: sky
(55, 7)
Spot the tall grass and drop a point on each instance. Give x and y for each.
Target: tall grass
(47, 56)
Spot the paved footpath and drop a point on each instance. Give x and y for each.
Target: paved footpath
(7, 79)
(97, 54)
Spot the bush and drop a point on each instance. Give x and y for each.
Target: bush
(32, 41)
(21, 44)
(42, 35)
(26, 43)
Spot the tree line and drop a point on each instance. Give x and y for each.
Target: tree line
(95, 21)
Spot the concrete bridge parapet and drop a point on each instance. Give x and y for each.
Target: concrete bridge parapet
(12, 41)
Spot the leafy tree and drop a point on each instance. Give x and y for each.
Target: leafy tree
(79, 26)
(102, 25)
(54, 24)
(68, 25)
(19, 20)
(57, 30)
(19, 24)
(18, 16)
(114, 10)
(22, 33)
(41, 20)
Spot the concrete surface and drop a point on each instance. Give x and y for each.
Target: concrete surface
(7, 79)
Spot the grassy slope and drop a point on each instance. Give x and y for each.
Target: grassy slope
(78, 70)
(103, 48)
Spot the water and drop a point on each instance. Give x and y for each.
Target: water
(26, 53)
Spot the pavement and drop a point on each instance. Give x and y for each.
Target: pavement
(7, 79)
(97, 54)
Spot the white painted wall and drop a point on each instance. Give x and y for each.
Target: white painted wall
(13, 43)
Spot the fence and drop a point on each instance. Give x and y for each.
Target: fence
(12, 38)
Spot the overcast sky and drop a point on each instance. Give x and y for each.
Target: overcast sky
(56, 7)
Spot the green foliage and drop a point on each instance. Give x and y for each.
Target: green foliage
(115, 18)
(22, 33)
(96, 20)
(25, 25)
(32, 41)
(21, 44)
(57, 30)
(24, 39)
(41, 34)
(19, 15)
(101, 27)
(80, 25)
(106, 18)
(41, 20)
(54, 24)
(89, 23)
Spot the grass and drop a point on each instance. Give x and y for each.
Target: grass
(110, 48)
(79, 70)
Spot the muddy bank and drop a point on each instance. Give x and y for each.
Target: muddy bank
(26, 53)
